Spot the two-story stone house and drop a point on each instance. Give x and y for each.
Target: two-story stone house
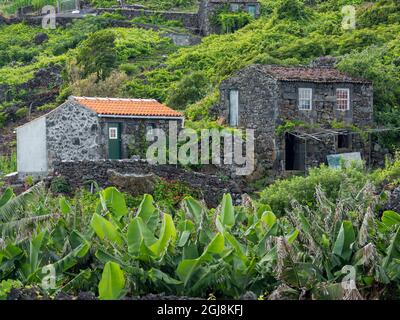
(265, 97)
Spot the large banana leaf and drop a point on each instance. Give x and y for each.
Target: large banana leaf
(390, 218)
(7, 195)
(393, 251)
(112, 283)
(148, 212)
(167, 237)
(227, 211)
(195, 209)
(138, 235)
(105, 229)
(188, 267)
(344, 241)
(115, 202)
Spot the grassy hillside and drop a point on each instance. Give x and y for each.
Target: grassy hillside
(299, 239)
(289, 32)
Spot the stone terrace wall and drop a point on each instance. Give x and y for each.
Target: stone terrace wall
(189, 20)
(211, 187)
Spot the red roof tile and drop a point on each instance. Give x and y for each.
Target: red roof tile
(128, 107)
(310, 74)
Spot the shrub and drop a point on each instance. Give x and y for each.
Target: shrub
(112, 86)
(98, 54)
(6, 286)
(232, 21)
(302, 189)
(170, 193)
(8, 164)
(60, 184)
(290, 9)
(189, 90)
(21, 113)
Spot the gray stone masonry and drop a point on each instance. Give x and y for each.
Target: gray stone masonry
(266, 102)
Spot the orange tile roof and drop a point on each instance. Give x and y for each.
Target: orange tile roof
(128, 107)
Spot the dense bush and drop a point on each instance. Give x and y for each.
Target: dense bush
(98, 55)
(190, 89)
(59, 185)
(302, 188)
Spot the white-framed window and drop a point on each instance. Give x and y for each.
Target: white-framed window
(233, 107)
(113, 133)
(343, 99)
(305, 98)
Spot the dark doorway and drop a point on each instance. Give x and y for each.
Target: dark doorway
(343, 141)
(294, 153)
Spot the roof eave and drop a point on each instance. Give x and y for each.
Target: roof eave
(121, 116)
(326, 81)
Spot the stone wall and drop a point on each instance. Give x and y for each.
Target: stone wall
(133, 134)
(324, 109)
(72, 133)
(212, 187)
(188, 20)
(258, 110)
(265, 103)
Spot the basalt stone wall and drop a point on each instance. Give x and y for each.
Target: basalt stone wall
(265, 103)
(324, 109)
(72, 133)
(133, 134)
(189, 20)
(258, 110)
(212, 187)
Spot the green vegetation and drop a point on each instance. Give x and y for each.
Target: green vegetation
(300, 238)
(99, 243)
(289, 32)
(188, 5)
(8, 164)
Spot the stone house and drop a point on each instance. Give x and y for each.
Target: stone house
(85, 128)
(209, 8)
(267, 98)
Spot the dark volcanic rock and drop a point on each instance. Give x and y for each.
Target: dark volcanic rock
(40, 38)
(209, 186)
(394, 200)
(86, 296)
(136, 184)
(24, 294)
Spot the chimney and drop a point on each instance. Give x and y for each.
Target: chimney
(324, 62)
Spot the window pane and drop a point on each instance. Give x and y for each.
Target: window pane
(233, 107)
(113, 134)
(343, 99)
(305, 98)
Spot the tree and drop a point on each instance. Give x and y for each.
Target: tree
(98, 54)
(291, 9)
(190, 89)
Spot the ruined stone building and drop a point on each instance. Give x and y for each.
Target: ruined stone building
(208, 10)
(85, 128)
(322, 105)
